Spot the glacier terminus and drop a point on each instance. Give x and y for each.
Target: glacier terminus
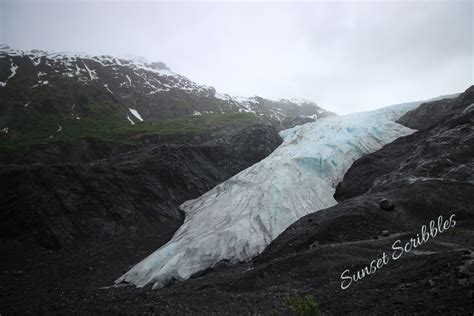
(238, 218)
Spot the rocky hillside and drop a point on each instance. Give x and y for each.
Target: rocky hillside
(240, 217)
(66, 199)
(404, 185)
(385, 199)
(47, 96)
(98, 152)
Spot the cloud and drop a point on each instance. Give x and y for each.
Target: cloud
(347, 56)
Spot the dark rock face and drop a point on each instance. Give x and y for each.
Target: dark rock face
(386, 204)
(310, 256)
(426, 176)
(443, 151)
(431, 113)
(84, 150)
(427, 114)
(238, 151)
(291, 122)
(58, 204)
(360, 218)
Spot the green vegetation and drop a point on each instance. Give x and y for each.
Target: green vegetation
(38, 128)
(303, 305)
(34, 112)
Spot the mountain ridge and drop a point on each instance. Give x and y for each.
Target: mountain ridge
(52, 92)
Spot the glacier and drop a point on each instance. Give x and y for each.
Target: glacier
(238, 218)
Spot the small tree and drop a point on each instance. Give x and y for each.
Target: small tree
(303, 305)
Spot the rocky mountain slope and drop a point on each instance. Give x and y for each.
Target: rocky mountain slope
(237, 219)
(81, 210)
(98, 152)
(48, 96)
(413, 176)
(405, 185)
(60, 203)
(419, 177)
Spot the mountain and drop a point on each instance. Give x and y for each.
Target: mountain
(53, 96)
(240, 217)
(406, 184)
(384, 196)
(422, 176)
(104, 160)
(59, 200)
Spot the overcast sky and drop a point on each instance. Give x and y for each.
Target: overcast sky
(347, 56)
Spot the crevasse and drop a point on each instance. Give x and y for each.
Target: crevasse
(238, 218)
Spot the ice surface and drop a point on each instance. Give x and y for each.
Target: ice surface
(136, 114)
(237, 219)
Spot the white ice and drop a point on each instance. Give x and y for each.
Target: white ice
(136, 114)
(238, 218)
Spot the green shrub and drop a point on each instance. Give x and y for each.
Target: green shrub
(35, 127)
(303, 305)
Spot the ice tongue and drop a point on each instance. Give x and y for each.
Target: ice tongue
(237, 219)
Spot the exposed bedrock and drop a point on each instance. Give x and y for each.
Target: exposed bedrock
(137, 192)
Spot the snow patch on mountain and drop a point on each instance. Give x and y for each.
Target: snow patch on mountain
(92, 73)
(301, 101)
(133, 78)
(108, 89)
(136, 114)
(129, 80)
(13, 69)
(130, 120)
(237, 219)
(139, 84)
